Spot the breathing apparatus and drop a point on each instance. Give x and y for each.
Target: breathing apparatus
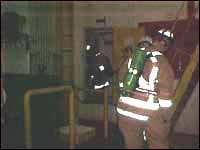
(135, 67)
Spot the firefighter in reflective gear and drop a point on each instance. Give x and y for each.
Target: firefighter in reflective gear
(144, 115)
(99, 68)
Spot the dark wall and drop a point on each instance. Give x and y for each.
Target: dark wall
(186, 39)
(46, 114)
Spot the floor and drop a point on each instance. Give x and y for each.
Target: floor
(115, 140)
(178, 140)
(184, 141)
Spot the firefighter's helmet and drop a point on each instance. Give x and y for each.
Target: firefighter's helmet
(166, 35)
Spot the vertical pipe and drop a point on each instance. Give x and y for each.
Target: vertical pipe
(72, 120)
(27, 122)
(105, 113)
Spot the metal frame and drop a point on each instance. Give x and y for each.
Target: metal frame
(27, 112)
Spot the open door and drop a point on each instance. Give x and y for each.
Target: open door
(101, 39)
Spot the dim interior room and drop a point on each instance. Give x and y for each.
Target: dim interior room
(60, 66)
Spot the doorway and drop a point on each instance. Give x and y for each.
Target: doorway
(101, 39)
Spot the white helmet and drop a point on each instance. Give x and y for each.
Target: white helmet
(166, 33)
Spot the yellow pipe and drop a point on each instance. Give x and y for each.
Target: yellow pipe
(27, 121)
(182, 86)
(72, 125)
(105, 113)
(187, 76)
(27, 112)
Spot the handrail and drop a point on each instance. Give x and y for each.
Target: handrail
(182, 86)
(27, 112)
(186, 77)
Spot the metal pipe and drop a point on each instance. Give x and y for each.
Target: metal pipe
(105, 113)
(185, 79)
(27, 112)
(72, 125)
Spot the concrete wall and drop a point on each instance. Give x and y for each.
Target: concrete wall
(43, 23)
(67, 40)
(17, 61)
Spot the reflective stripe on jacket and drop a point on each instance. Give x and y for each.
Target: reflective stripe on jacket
(142, 105)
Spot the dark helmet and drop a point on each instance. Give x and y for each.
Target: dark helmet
(145, 42)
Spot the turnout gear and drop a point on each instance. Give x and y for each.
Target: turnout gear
(135, 68)
(145, 96)
(144, 107)
(99, 69)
